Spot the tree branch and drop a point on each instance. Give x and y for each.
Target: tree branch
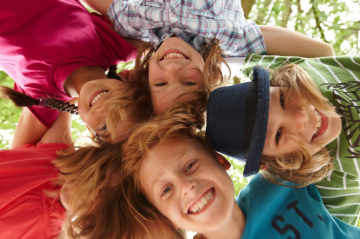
(317, 20)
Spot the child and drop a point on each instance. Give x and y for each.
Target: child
(58, 49)
(336, 78)
(176, 67)
(29, 205)
(171, 176)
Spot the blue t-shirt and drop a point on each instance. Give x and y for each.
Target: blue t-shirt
(274, 211)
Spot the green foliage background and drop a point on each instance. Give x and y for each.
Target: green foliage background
(334, 21)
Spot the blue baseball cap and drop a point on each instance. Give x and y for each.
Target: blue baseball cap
(237, 118)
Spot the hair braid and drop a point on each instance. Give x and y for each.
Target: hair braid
(61, 106)
(23, 100)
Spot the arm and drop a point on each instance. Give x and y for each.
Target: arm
(100, 6)
(29, 130)
(60, 131)
(285, 42)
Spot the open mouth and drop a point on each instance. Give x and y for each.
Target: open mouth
(204, 201)
(97, 96)
(174, 54)
(318, 123)
(322, 122)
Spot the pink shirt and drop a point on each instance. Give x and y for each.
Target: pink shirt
(26, 174)
(43, 41)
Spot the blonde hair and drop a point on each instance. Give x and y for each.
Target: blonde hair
(301, 167)
(91, 170)
(98, 204)
(130, 103)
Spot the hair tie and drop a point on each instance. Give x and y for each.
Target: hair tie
(42, 102)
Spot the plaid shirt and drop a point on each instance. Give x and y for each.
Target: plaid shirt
(194, 21)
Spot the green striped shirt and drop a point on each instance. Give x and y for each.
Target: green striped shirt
(338, 78)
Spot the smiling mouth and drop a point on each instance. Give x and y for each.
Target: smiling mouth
(97, 97)
(174, 54)
(199, 205)
(318, 124)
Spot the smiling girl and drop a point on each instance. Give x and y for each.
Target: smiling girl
(57, 49)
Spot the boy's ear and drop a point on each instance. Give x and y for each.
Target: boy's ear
(224, 162)
(263, 167)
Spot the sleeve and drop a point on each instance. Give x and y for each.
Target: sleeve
(247, 39)
(130, 20)
(240, 37)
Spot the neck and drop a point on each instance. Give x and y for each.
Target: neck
(74, 82)
(232, 229)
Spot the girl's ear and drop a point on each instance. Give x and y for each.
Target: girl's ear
(263, 167)
(224, 162)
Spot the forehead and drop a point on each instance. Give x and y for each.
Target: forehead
(170, 155)
(173, 149)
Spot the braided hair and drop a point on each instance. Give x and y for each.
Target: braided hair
(22, 100)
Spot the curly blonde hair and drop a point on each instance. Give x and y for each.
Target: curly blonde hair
(301, 167)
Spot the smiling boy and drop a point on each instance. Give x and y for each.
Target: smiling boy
(186, 183)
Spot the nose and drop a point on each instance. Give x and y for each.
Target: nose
(298, 118)
(173, 68)
(187, 185)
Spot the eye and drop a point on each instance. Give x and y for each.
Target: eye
(278, 135)
(166, 190)
(282, 99)
(189, 83)
(102, 130)
(104, 127)
(161, 84)
(189, 166)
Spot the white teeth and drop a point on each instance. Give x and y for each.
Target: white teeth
(97, 98)
(174, 55)
(318, 123)
(200, 204)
